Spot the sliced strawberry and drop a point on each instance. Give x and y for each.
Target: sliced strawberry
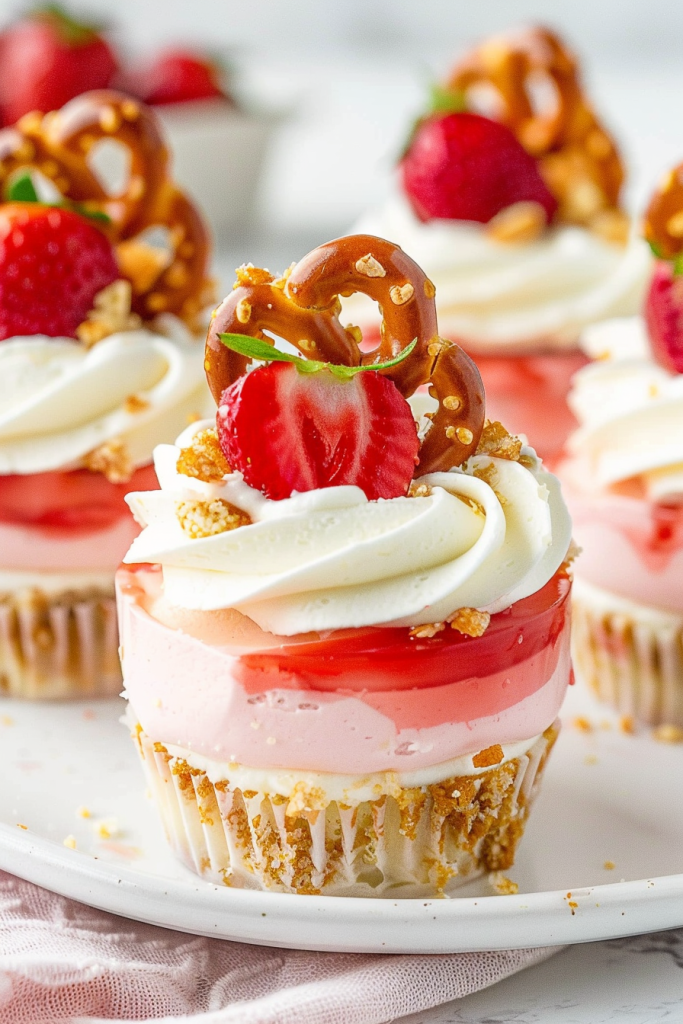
(290, 431)
(176, 76)
(467, 167)
(664, 316)
(52, 264)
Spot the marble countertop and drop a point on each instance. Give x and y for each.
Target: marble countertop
(638, 980)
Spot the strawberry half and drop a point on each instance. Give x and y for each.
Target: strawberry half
(52, 264)
(297, 425)
(176, 76)
(664, 316)
(467, 167)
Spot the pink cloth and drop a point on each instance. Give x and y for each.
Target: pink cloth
(62, 961)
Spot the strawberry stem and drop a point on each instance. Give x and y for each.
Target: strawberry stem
(22, 190)
(255, 348)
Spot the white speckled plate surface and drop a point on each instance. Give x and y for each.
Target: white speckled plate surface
(607, 798)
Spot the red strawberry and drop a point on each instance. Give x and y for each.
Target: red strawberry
(52, 264)
(175, 77)
(291, 431)
(664, 316)
(46, 59)
(467, 167)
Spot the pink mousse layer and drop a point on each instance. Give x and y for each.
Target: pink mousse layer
(37, 548)
(197, 693)
(630, 546)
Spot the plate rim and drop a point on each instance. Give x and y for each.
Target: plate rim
(605, 911)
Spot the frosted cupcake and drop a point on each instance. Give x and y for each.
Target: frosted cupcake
(347, 650)
(99, 362)
(508, 196)
(624, 483)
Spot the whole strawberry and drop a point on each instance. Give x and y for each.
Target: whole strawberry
(46, 59)
(466, 167)
(52, 264)
(298, 425)
(176, 76)
(664, 316)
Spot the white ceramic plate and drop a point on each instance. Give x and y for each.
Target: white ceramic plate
(607, 798)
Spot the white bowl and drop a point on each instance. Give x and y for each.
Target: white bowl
(218, 156)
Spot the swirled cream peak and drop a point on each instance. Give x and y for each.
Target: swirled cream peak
(59, 401)
(481, 537)
(630, 411)
(495, 295)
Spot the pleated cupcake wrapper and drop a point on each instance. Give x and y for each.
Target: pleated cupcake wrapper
(55, 646)
(630, 655)
(423, 842)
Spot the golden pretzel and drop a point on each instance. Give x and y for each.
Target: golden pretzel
(58, 145)
(303, 308)
(577, 157)
(663, 226)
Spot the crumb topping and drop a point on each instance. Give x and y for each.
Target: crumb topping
(498, 443)
(111, 459)
(135, 403)
(668, 734)
(503, 885)
(110, 314)
(519, 222)
(470, 621)
(488, 757)
(248, 274)
(207, 518)
(203, 459)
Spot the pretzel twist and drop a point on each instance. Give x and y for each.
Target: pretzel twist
(59, 144)
(663, 225)
(303, 308)
(578, 158)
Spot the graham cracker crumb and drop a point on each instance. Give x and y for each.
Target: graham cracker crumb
(469, 621)
(83, 812)
(109, 315)
(488, 757)
(248, 274)
(497, 442)
(70, 842)
(429, 629)
(668, 734)
(503, 886)
(582, 724)
(627, 724)
(25, 827)
(112, 459)
(419, 491)
(106, 828)
(590, 759)
(519, 222)
(609, 865)
(134, 403)
(203, 459)
(141, 263)
(207, 518)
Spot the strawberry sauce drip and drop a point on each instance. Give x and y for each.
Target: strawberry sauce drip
(657, 534)
(391, 660)
(77, 501)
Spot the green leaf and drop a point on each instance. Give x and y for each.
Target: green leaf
(656, 251)
(98, 215)
(446, 101)
(678, 265)
(254, 348)
(22, 190)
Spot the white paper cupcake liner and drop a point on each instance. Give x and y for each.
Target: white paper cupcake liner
(425, 841)
(55, 646)
(630, 655)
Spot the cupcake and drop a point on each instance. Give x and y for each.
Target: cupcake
(508, 195)
(100, 361)
(624, 483)
(345, 622)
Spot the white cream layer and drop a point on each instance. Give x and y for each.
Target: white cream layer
(488, 535)
(51, 583)
(59, 400)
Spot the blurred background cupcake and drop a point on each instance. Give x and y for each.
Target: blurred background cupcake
(624, 484)
(509, 194)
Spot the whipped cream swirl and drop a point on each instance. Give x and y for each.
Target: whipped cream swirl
(631, 413)
(59, 401)
(484, 536)
(502, 296)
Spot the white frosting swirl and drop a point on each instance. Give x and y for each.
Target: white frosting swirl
(488, 535)
(630, 410)
(59, 400)
(495, 295)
